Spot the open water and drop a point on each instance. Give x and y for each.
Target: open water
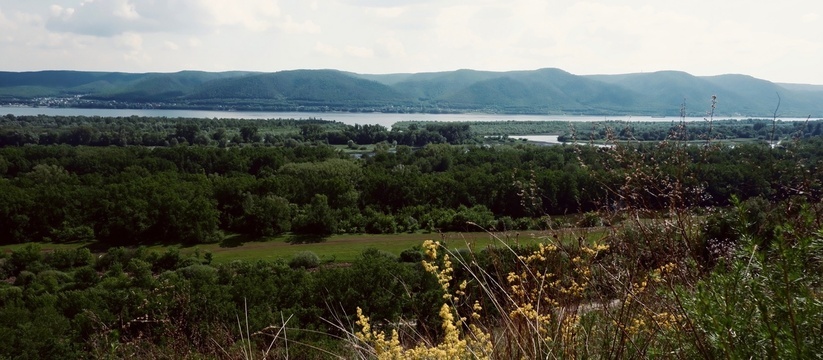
(385, 119)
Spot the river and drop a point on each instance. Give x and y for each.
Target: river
(385, 119)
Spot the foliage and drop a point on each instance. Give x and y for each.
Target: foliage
(669, 270)
(763, 302)
(305, 260)
(540, 91)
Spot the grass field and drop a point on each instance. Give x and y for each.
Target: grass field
(345, 248)
(339, 248)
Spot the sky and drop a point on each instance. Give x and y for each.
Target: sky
(780, 41)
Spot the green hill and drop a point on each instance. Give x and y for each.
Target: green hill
(541, 91)
(741, 95)
(300, 86)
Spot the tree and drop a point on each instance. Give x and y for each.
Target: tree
(311, 131)
(266, 216)
(187, 131)
(318, 218)
(249, 133)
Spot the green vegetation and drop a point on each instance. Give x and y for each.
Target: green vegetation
(609, 131)
(260, 184)
(343, 248)
(542, 91)
(154, 238)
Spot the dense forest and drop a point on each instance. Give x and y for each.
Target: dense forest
(541, 91)
(198, 188)
(674, 215)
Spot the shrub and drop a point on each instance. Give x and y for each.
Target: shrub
(66, 259)
(28, 258)
(590, 219)
(305, 260)
(379, 223)
(765, 303)
(411, 255)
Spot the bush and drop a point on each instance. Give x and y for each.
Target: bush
(765, 303)
(379, 223)
(305, 260)
(412, 255)
(590, 219)
(27, 258)
(67, 259)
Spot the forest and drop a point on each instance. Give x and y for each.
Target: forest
(670, 211)
(541, 91)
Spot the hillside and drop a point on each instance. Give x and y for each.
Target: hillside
(542, 91)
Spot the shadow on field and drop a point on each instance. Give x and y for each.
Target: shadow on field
(236, 240)
(305, 239)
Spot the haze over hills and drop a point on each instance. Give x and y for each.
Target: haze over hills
(542, 91)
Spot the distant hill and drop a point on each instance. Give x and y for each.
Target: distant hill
(802, 87)
(542, 91)
(299, 85)
(740, 95)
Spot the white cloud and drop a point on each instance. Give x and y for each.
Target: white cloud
(392, 47)
(327, 50)
(769, 40)
(194, 42)
(131, 41)
(387, 12)
(256, 15)
(56, 10)
(113, 17)
(5, 23)
(289, 26)
(126, 10)
(360, 52)
(170, 45)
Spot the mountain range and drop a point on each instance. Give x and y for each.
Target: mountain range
(542, 91)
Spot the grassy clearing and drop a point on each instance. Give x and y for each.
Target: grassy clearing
(346, 248)
(46, 247)
(339, 248)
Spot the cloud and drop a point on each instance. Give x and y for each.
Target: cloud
(386, 3)
(58, 11)
(702, 37)
(194, 42)
(6, 31)
(130, 41)
(289, 26)
(387, 12)
(5, 23)
(252, 14)
(113, 17)
(360, 52)
(391, 47)
(99, 18)
(170, 45)
(327, 50)
(125, 10)
(349, 51)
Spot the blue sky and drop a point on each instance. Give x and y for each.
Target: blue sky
(777, 41)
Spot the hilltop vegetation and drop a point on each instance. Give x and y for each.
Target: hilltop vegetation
(543, 91)
(210, 177)
(643, 249)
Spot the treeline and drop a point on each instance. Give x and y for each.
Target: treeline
(146, 131)
(754, 129)
(193, 194)
(142, 131)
